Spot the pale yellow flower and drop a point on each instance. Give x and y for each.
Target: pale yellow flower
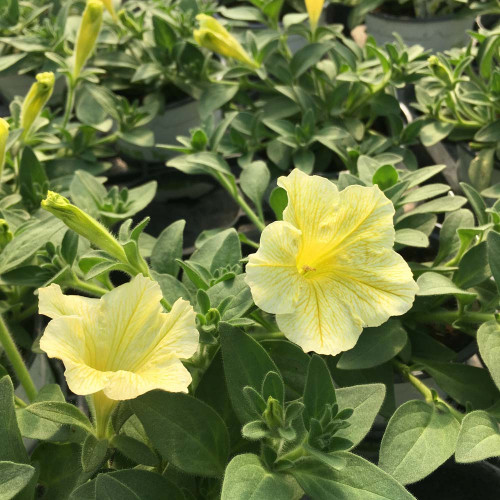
(121, 344)
(110, 7)
(314, 9)
(328, 269)
(213, 36)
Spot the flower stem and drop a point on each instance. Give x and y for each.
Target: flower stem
(84, 286)
(423, 389)
(267, 335)
(16, 360)
(451, 316)
(238, 198)
(70, 101)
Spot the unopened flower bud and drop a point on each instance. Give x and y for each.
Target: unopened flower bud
(110, 8)
(87, 34)
(273, 414)
(4, 135)
(83, 224)
(5, 234)
(314, 9)
(36, 99)
(213, 36)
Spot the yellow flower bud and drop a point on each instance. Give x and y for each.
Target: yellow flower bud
(83, 224)
(213, 36)
(109, 7)
(4, 135)
(314, 9)
(36, 99)
(5, 234)
(87, 34)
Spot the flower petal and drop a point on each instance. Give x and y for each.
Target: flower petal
(64, 338)
(129, 324)
(374, 287)
(271, 272)
(179, 331)
(161, 372)
(84, 380)
(52, 303)
(311, 200)
(321, 322)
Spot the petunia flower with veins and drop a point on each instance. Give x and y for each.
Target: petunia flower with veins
(121, 345)
(328, 269)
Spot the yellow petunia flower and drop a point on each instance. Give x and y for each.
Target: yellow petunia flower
(328, 269)
(4, 135)
(213, 36)
(314, 9)
(121, 345)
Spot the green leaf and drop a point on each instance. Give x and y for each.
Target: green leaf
(214, 97)
(385, 177)
(436, 284)
(306, 57)
(481, 168)
(424, 193)
(443, 204)
(421, 175)
(479, 438)
(219, 251)
(187, 432)
(246, 363)
(473, 268)
(61, 413)
(449, 242)
(93, 453)
(11, 443)
(292, 363)
(13, 478)
(133, 484)
(409, 450)
(135, 450)
(461, 382)
(237, 291)
(476, 202)
(494, 256)
(254, 181)
(375, 346)
(319, 390)
(488, 133)
(164, 35)
(33, 181)
(30, 238)
(359, 480)
(411, 238)
(435, 132)
(366, 401)
(488, 340)
(60, 468)
(168, 247)
(278, 201)
(247, 479)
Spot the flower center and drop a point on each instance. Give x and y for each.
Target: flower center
(306, 270)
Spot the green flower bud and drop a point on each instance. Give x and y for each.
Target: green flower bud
(83, 224)
(4, 135)
(87, 34)
(36, 99)
(5, 234)
(213, 36)
(273, 414)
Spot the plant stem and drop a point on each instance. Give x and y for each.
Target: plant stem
(16, 360)
(267, 335)
(424, 390)
(70, 101)
(257, 316)
(238, 198)
(19, 402)
(83, 286)
(451, 316)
